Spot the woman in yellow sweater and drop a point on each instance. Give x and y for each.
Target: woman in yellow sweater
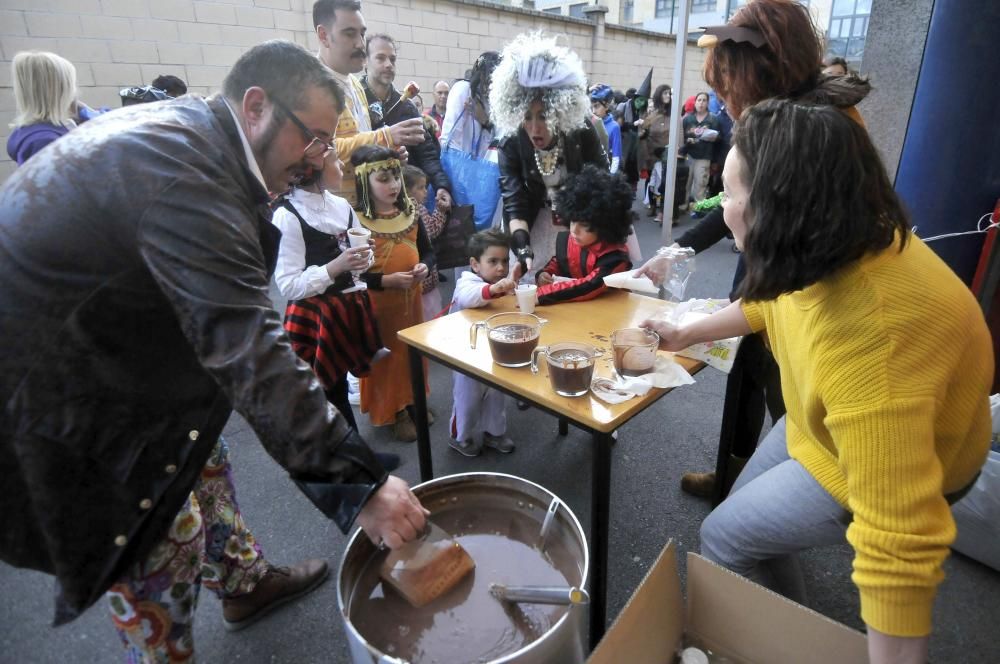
(886, 365)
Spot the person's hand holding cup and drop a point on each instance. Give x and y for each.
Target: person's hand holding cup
(359, 237)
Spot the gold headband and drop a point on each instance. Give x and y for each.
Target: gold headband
(361, 173)
(369, 167)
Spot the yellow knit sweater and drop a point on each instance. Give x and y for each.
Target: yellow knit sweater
(886, 369)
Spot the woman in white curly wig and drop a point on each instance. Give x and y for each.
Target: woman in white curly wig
(541, 113)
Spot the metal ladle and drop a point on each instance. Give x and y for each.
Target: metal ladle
(560, 595)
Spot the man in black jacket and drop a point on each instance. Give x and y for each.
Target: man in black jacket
(135, 317)
(387, 107)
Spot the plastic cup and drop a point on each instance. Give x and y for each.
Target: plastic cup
(358, 237)
(526, 297)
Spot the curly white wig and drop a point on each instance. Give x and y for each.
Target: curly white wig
(534, 66)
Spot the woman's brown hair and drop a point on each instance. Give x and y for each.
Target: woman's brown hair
(820, 198)
(787, 65)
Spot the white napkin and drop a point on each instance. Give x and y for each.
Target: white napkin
(720, 354)
(666, 373)
(626, 280)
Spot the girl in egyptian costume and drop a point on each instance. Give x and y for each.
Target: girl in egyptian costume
(402, 254)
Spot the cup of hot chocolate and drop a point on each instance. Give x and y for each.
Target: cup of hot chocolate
(512, 337)
(634, 351)
(571, 366)
(358, 236)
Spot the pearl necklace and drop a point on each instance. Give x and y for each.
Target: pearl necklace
(551, 157)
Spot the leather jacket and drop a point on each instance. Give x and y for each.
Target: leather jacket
(524, 193)
(134, 317)
(427, 155)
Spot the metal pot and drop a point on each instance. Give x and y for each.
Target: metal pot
(565, 640)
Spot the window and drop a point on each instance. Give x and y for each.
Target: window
(703, 6)
(848, 29)
(666, 8)
(576, 11)
(628, 11)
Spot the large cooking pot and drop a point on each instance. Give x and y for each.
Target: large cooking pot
(538, 519)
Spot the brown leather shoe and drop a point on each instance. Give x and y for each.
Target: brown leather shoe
(279, 586)
(404, 429)
(698, 484)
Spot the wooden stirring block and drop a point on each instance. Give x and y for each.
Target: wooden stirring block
(433, 569)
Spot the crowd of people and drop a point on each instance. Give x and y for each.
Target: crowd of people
(316, 170)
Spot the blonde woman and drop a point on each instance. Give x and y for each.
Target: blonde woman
(45, 93)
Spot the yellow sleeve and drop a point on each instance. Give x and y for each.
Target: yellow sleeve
(754, 314)
(347, 145)
(902, 524)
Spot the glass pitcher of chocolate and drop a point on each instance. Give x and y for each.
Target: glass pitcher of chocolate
(635, 351)
(571, 366)
(512, 337)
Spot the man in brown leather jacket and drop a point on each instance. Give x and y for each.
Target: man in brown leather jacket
(134, 317)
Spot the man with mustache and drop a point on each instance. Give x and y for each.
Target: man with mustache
(386, 106)
(134, 319)
(341, 29)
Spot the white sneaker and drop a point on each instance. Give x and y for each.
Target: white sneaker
(467, 448)
(501, 444)
(353, 390)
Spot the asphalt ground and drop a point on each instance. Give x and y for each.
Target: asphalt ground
(677, 434)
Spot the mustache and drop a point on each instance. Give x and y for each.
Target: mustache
(360, 53)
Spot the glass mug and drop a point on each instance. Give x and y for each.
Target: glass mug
(571, 366)
(512, 337)
(634, 351)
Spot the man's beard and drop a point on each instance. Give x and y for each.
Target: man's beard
(264, 145)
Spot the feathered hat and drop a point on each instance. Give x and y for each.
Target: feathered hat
(534, 66)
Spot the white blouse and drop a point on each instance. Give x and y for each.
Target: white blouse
(326, 213)
(460, 130)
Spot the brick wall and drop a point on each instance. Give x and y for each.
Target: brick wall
(118, 43)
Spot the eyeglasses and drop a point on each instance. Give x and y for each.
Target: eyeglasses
(317, 147)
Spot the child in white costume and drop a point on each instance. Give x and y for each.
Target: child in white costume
(479, 408)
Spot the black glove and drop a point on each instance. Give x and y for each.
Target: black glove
(521, 243)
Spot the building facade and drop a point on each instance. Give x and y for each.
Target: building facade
(844, 23)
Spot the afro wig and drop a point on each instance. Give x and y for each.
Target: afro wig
(533, 66)
(599, 199)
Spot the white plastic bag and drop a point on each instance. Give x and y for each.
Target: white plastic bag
(671, 267)
(977, 515)
(718, 354)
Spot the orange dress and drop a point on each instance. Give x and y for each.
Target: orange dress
(387, 390)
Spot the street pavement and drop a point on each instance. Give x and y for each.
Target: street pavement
(679, 433)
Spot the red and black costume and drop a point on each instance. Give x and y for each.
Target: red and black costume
(333, 332)
(585, 266)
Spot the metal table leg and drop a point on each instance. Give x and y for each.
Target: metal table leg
(599, 521)
(563, 427)
(420, 410)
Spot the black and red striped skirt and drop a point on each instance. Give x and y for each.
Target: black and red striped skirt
(334, 334)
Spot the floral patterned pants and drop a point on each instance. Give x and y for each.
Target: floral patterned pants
(208, 544)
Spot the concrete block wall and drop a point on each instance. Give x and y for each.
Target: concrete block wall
(119, 43)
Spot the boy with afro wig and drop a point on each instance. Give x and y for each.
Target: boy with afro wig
(598, 207)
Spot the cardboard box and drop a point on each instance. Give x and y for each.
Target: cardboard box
(728, 614)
